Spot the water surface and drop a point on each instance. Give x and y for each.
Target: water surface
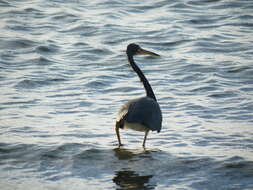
(64, 76)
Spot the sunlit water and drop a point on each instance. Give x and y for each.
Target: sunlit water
(64, 75)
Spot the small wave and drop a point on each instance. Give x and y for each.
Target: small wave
(205, 21)
(81, 28)
(45, 49)
(18, 43)
(64, 17)
(232, 4)
(29, 102)
(237, 163)
(247, 89)
(205, 89)
(227, 94)
(97, 84)
(238, 69)
(235, 75)
(197, 68)
(31, 84)
(205, 2)
(4, 3)
(42, 61)
(31, 11)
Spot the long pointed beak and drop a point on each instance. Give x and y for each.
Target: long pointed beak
(146, 52)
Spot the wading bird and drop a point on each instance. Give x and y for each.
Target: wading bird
(141, 114)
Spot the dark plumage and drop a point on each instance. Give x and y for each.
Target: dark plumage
(141, 114)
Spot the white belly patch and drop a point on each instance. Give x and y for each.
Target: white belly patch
(135, 126)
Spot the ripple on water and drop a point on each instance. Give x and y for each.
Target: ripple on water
(43, 61)
(31, 84)
(64, 75)
(18, 43)
(134, 167)
(47, 49)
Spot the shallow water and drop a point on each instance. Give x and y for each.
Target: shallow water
(64, 75)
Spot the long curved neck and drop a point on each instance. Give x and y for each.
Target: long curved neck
(142, 77)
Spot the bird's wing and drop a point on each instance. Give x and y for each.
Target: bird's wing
(145, 111)
(124, 110)
(121, 116)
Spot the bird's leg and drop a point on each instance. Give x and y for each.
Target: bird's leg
(118, 136)
(145, 137)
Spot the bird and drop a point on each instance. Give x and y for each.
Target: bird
(140, 114)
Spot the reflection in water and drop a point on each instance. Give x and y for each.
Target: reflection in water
(129, 180)
(124, 154)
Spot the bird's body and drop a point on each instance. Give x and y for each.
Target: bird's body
(140, 114)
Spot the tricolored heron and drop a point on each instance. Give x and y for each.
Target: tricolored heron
(141, 114)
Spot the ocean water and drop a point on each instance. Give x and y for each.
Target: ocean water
(64, 75)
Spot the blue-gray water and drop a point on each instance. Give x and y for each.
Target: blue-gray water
(64, 75)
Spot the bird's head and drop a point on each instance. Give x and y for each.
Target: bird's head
(134, 49)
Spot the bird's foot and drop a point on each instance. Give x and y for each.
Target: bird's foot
(120, 145)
